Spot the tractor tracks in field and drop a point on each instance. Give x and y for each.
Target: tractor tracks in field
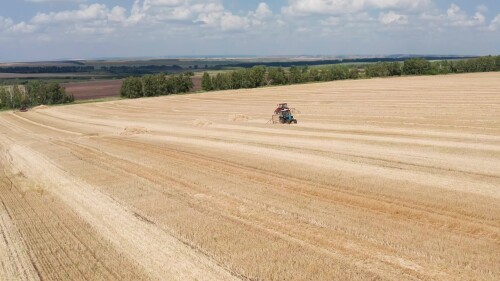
(160, 257)
(59, 244)
(15, 262)
(211, 165)
(77, 199)
(288, 182)
(188, 191)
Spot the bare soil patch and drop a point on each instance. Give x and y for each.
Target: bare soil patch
(94, 89)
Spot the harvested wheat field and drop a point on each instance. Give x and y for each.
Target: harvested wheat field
(383, 179)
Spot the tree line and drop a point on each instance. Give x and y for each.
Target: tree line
(259, 76)
(142, 69)
(32, 94)
(46, 69)
(417, 66)
(117, 70)
(328, 62)
(156, 85)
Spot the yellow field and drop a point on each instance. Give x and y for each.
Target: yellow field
(383, 179)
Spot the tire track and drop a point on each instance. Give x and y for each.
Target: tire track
(122, 228)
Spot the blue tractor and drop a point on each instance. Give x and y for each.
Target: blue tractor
(286, 117)
(283, 115)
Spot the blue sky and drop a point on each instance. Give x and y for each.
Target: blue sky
(55, 29)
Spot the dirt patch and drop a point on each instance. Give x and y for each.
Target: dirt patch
(40, 107)
(94, 89)
(129, 131)
(196, 83)
(239, 118)
(105, 88)
(202, 123)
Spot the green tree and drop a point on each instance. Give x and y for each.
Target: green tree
(276, 76)
(416, 66)
(395, 69)
(18, 98)
(4, 98)
(353, 73)
(56, 93)
(295, 75)
(148, 85)
(154, 85)
(186, 82)
(305, 74)
(315, 74)
(460, 66)
(222, 81)
(37, 92)
(206, 82)
(442, 67)
(40, 92)
(341, 72)
(485, 64)
(380, 69)
(181, 83)
(228, 82)
(131, 88)
(237, 80)
(257, 76)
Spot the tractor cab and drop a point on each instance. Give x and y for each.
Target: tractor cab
(286, 116)
(281, 107)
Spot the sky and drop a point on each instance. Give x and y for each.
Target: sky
(33, 30)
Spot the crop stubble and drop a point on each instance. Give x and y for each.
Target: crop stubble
(381, 179)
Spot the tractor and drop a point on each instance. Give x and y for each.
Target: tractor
(283, 115)
(286, 117)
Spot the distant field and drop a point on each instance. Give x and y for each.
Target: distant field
(105, 88)
(48, 75)
(381, 179)
(94, 89)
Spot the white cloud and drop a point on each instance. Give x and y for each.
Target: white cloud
(85, 13)
(331, 21)
(149, 16)
(482, 8)
(455, 17)
(495, 23)
(308, 7)
(55, 1)
(5, 23)
(117, 14)
(392, 18)
(183, 20)
(263, 11)
(227, 21)
(172, 10)
(8, 25)
(23, 27)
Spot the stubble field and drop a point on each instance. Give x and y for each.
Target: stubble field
(383, 179)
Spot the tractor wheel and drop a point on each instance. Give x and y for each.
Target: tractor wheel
(294, 121)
